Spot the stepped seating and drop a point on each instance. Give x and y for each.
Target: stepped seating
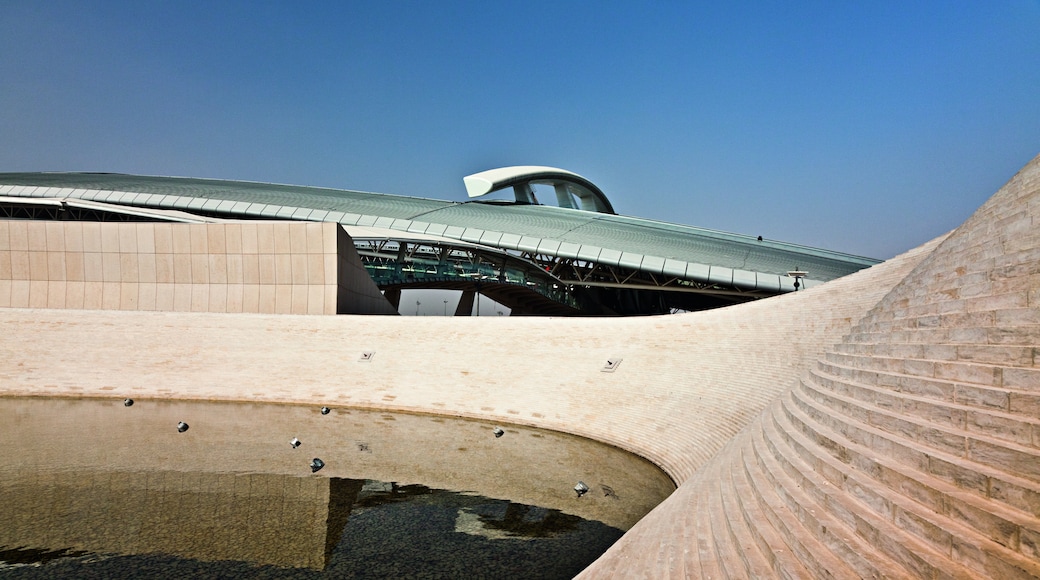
(838, 528)
(963, 425)
(792, 558)
(912, 448)
(931, 509)
(805, 500)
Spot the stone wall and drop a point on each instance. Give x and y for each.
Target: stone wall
(250, 267)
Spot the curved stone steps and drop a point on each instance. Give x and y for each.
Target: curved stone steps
(917, 447)
(706, 562)
(790, 512)
(1003, 319)
(1019, 393)
(1005, 519)
(798, 554)
(963, 474)
(672, 559)
(706, 558)
(747, 545)
(858, 536)
(940, 360)
(963, 523)
(998, 454)
(1015, 428)
(982, 374)
(756, 512)
(919, 434)
(1004, 308)
(727, 556)
(922, 541)
(932, 317)
(920, 356)
(983, 396)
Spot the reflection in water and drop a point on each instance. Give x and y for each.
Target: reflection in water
(492, 520)
(520, 520)
(239, 525)
(84, 495)
(263, 518)
(34, 556)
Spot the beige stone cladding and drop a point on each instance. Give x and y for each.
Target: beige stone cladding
(239, 267)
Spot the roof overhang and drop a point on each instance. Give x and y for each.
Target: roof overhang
(166, 215)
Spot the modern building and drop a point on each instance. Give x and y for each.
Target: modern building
(883, 424)
(576, 257)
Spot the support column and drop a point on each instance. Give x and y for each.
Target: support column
(563, 196)
(524, 193)
(465, 307)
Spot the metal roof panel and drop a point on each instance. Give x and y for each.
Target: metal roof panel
(610, 256)
(529, 243)
(744, 279)
(568, 250)
(589, 253)
(720, 275)
(630, 260)
(674, 267)
(698, 272)
(510, 241)
(652, 264)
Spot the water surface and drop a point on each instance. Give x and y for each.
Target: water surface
(95, 488)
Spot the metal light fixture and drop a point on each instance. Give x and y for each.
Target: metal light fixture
(295, 443)
(797, 274)
(182, 427)
(581, 489)
(316, 464)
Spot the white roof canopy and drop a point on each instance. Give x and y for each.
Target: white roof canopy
(567, 185)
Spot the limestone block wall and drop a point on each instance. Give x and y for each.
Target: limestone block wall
(258, 267)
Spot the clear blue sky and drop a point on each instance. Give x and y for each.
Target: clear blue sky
(865, 127)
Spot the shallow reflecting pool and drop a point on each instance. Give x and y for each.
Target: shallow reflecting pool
(96, 488)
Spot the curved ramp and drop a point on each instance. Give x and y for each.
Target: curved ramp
(911, 449)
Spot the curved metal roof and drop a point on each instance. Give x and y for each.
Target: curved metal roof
(659, 248)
